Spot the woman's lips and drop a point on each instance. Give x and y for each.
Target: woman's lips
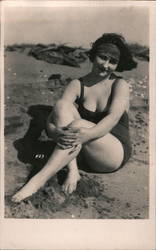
(104, 72)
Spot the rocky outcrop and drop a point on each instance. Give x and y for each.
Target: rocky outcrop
(59, 54)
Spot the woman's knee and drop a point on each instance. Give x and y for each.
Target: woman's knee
(65, 108)
(81, 123)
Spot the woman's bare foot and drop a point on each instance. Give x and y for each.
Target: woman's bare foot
(71, 181)
(29, 189)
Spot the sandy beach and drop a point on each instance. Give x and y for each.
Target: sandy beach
(29, 97)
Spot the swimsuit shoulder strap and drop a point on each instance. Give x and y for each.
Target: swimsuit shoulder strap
(81, 90)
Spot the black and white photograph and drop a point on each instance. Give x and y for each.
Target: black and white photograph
(76, 111)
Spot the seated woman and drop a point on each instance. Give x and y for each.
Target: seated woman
(91, 117)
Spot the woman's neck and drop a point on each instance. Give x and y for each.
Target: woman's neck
(94, 78)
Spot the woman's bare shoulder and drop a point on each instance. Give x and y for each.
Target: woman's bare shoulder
(121, 84)
(72, 90)
(74, 85)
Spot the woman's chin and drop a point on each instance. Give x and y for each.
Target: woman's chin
(104, 73)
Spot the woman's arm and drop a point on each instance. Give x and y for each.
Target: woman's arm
(120, 104)
(70, 95)
(71, 92)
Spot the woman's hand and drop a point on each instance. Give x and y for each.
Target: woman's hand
(72, 138)
(83, 135)
(64, 137)
(68, 137)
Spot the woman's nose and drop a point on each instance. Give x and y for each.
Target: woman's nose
(106, 64)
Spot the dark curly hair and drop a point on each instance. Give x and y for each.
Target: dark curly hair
(126, 61)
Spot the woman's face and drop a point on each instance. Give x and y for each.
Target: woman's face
(105, 63)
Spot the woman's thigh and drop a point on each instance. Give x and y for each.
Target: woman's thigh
(104, 154)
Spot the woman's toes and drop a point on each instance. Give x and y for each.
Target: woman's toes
(70, 183)
(72, 188)
(69, 188)
(64, 188)
(16, 198)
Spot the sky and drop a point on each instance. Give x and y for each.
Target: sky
(78, 26)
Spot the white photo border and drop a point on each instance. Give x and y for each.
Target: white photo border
(84, 234)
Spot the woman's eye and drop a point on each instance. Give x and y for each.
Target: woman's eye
(113, 61)
(104, 57)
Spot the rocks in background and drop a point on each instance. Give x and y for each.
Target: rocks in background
(59, 54)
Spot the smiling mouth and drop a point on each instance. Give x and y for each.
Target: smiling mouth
(104, 71)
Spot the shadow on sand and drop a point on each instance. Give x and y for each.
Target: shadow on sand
(34, 150)
(31, 148)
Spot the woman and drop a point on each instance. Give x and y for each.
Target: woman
(97, 126)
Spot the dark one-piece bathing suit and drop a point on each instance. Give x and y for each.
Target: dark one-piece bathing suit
(120, 131)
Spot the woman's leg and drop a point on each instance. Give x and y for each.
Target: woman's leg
(62, 118)
(98, 154)
(102, 155)
(58, 159)
(72, 178)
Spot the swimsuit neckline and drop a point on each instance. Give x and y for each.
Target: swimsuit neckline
(97, 112)
(92, 112)
(81, 99)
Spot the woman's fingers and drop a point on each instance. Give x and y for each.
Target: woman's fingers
(65, 140)
(67, 146)
(69, 135)
(76, 142)
(73, 149)
(64, 146)
(68, 132)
